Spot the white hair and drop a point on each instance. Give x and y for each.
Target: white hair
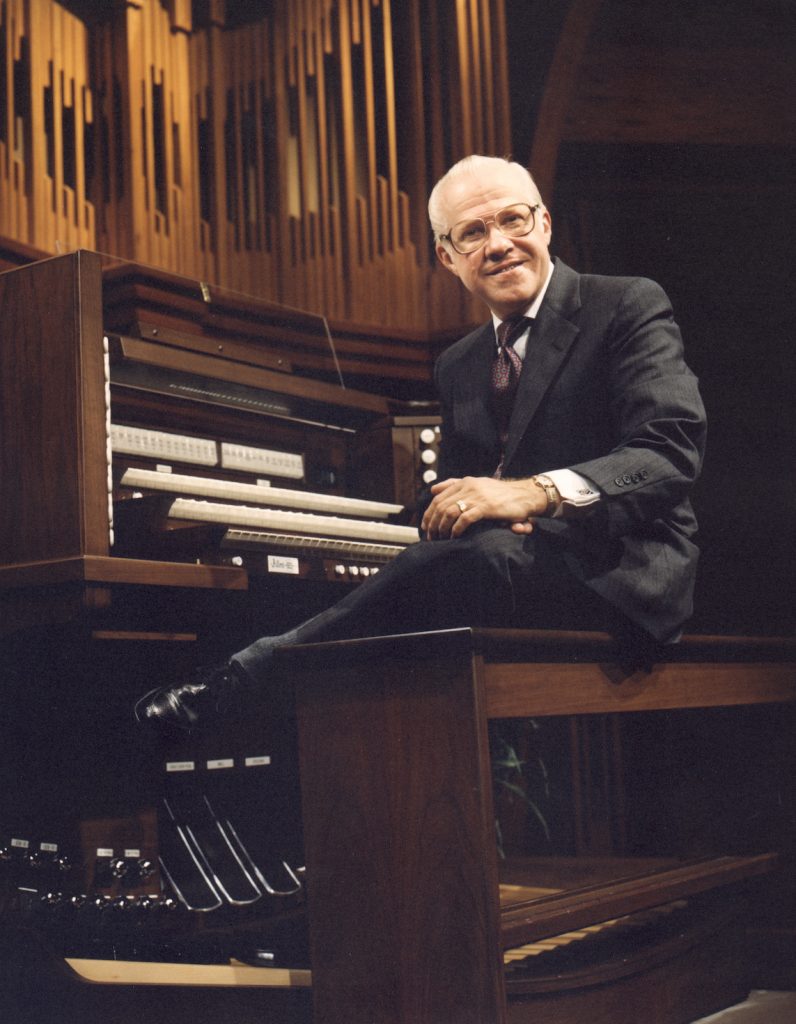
(470, 165)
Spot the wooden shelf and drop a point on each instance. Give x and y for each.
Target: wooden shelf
(111, 570)
(232, 975)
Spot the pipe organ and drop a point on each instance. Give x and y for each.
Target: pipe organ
(287, 152)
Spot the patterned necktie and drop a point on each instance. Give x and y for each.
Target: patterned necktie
(507, 365)
(505, 376)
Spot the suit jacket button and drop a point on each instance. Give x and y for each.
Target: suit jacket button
(627, 479)
(619, 482)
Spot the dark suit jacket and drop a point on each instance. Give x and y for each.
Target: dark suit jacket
(604, 391)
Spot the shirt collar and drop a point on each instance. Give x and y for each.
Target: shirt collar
(533, 308)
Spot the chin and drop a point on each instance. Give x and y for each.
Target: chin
(513, 300)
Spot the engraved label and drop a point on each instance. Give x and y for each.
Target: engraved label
(282, 563)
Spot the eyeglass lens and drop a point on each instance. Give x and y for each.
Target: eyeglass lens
(512, 221)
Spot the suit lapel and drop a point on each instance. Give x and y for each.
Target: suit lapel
(551, 336)
(472, 408)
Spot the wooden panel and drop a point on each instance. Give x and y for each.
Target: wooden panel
(153, 304)
(159, 355)
(592, 688)
(123, 570)
(52, 419)
(399, 803)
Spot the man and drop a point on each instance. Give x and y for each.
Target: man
(572, 431)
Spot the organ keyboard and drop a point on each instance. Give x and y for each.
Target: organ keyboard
(257, 540)
(210, 487)
(299, 522)
(276, 519)
(327, 525)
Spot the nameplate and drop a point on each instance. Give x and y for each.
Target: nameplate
(256, 762)
(282, 563)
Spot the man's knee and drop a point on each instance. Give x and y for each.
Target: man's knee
(499, 547)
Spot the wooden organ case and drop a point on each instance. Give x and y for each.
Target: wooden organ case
(280, 490)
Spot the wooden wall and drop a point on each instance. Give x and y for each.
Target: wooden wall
(282, 149)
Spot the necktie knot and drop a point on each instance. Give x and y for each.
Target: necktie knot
(507, 366)
(510, 329)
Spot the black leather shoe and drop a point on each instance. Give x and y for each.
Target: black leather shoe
(213, 692)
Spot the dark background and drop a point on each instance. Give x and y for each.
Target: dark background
(675, 161)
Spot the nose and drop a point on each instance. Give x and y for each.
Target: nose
(496, 243)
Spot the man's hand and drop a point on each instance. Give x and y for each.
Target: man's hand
(458, 503)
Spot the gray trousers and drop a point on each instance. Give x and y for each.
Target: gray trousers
(488, 577)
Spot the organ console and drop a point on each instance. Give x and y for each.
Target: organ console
(185, 471)
(192, 450)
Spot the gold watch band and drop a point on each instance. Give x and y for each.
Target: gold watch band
(550, 490)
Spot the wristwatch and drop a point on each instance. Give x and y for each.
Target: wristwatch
(550, 490)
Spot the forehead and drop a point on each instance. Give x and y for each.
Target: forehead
(484, 191)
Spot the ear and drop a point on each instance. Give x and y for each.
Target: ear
(547, 226)
(445, 258)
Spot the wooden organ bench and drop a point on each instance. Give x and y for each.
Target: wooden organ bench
(409, 921)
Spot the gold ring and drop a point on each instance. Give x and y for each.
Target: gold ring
(462, 505)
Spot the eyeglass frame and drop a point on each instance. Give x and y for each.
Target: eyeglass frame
(491, 220)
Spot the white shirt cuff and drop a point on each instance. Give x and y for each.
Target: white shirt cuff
(574, 489)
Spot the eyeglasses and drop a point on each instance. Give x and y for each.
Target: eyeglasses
(513, 221)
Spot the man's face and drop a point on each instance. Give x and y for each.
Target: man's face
(506, 273)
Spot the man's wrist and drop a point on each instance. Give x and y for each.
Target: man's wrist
(543, 481)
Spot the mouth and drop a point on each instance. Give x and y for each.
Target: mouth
(506, 268)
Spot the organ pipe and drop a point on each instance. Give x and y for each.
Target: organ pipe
(288, 155)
